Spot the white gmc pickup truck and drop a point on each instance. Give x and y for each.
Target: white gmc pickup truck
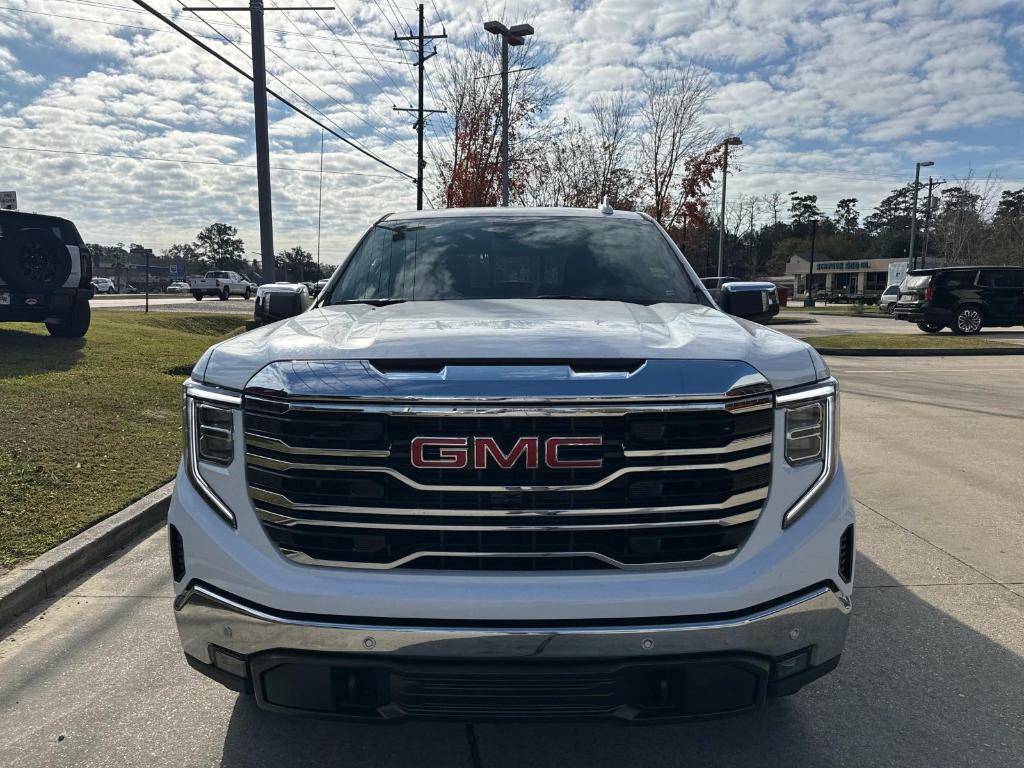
(513, 463)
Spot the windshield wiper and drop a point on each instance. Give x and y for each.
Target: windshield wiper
(375, 302)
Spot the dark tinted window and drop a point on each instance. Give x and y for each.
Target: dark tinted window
(63, 230)
(892, 290)
(1001, 278)
(951, 281)
(501, 257)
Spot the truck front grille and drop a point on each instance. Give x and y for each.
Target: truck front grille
(677, 485)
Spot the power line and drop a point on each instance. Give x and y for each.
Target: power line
(290, 88)
(188, 35)
(184, 161)
(157, 30)
(353, 27)
(229, 23)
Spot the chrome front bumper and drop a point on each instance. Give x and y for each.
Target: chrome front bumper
(816, 619)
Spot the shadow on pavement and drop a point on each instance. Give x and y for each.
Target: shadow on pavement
(916, 687)
(23, 353)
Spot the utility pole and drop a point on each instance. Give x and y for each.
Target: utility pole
(750, 234)
(731, 141)
(809, 298)
(259, 103)
(320, 204)
(928, 218)
(420, 124)
(509, 36)
(913, 209)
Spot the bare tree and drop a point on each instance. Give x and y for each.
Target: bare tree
(613, 126)
(774, 202)
(960, 227)
(465, 152)
(671, 130)
(565, 169)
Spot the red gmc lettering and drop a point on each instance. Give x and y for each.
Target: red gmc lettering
(453, 452)
(488, 446)
(553, 444)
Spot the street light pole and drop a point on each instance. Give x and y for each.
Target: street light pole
(809, 299)
(509, 36)
(928, 219)
(913, 209)
(731, 141)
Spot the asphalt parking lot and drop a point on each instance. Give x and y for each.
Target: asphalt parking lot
(933, 673)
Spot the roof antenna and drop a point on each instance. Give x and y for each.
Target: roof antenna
(605, 208)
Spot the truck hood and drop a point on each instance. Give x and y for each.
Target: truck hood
(509, 329)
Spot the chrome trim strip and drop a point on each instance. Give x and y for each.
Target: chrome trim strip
(280, 500)
(713, 559)
(278, 464)
(830, 464)
(823, 389)
(417, 408)
(192, 466)
(294, 522)
(822, 615)
(280, 446)
(742, 444)
(213, 394)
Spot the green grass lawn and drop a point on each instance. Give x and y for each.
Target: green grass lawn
(89, 425)
(902, 341)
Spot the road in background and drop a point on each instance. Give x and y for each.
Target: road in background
(932, 674)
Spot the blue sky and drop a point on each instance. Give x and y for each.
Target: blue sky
(837, 98)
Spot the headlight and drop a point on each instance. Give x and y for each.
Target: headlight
(805, 433)
(812, 437)
(209, 416)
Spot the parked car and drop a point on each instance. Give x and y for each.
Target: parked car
(527, 469)
(887, 301)
(221, 283)
(103, 285)
(45, 273)
(178, 287)
(277, 301)
(319, 286)
(964, 299)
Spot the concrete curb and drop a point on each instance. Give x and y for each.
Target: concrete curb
(997, 351)
(869, 315)
(23, 587)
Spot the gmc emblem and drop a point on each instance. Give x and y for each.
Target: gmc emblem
(456, 452)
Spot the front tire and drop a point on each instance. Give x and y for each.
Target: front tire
(197, 295)
(75, 325)
(248, 293)
(225, 294)
(891, 309)
(968, 321)
(929, 327)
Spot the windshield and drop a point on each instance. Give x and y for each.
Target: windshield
(502, 257)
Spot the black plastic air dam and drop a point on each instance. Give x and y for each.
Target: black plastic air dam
(627, 691)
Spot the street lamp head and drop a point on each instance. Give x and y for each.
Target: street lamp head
(495, 28)
(733, 141)
(925, 164)
(521, 30)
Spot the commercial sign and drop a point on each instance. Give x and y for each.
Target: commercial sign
(842, 266)
(8, 201)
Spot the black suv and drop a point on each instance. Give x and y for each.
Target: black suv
(45, 273)
(965, 299)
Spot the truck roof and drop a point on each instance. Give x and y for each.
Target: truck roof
(451, 213)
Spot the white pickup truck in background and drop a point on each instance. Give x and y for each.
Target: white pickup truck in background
(222, 284)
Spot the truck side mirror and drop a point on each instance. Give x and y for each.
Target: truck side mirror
(753, 301)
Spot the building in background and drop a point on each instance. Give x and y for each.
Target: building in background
(848, 277)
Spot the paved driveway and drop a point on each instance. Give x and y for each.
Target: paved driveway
(933, 673)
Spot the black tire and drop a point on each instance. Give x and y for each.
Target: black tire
(967, 321)
(34, 260)
(225, 294)
(248, 293)
(929, 327)
(197, 295)
(891, 309)
(75, 325)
